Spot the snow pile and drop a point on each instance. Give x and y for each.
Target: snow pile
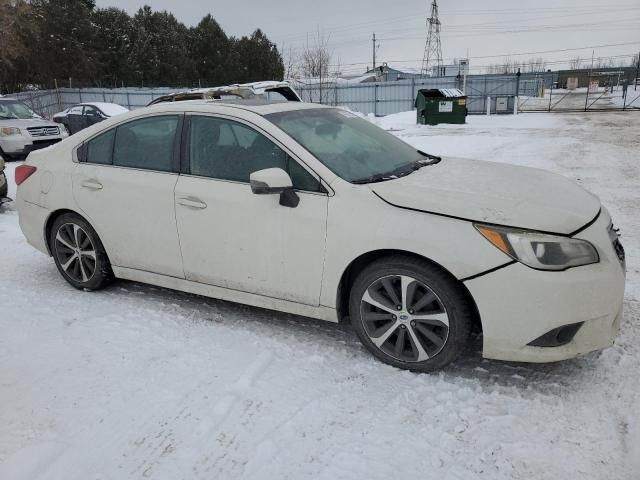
(141, 382)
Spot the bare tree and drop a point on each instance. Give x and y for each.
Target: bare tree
(536, 65)
(291, 61)
(575, 63)
(605, 62)
(316, 56)
(315, 61)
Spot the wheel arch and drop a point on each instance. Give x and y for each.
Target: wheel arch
(48, 224)
(358, 264)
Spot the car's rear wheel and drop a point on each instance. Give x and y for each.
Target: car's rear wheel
(78, 253)
(410, 313)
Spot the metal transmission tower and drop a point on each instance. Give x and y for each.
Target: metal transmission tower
(432, 49)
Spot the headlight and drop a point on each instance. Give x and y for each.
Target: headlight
(7, 131)
(540, 251)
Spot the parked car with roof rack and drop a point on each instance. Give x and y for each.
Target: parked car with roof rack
(22, 130)
(83, 115)
(270, 90)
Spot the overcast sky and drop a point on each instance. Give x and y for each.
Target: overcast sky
(479, 29)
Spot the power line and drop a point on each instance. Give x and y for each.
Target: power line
(464, 31)
(349, 30)
(512, 54)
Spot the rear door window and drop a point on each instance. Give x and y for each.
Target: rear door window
(148, 143)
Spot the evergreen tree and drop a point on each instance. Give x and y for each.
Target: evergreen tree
(209, 51)
(16, 35)
(62, 47)
(112, 43)
(256, 58)
(43, 40)
(158, 54)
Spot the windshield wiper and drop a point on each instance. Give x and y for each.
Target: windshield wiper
(401, 171)
(433, 159)
(5, 117)
(378, 177)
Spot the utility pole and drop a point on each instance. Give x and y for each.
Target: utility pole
(433, 48)
(635, 80)
(586, 100)
(374, 50)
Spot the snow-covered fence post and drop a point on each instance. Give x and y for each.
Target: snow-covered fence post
(488, 105)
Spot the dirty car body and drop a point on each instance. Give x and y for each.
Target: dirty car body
(314, 211)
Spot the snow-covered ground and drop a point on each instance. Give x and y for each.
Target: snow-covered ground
(140, 382)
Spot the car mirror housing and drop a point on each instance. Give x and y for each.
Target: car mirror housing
(274, 181)
(270, 181)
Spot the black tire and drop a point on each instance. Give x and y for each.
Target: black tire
(4, 189)
(449, 298)
(79, 272)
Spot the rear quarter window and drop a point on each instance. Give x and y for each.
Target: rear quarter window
(100, 149)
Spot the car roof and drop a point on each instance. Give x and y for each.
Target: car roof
(259, 107)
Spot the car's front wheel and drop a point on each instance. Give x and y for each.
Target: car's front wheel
(78, 253)
(410, 313)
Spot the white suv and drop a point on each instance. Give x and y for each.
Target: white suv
(315, 211)
(23, 131)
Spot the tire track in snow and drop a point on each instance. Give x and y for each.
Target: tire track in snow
(193, 438)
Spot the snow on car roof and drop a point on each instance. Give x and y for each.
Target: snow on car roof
(110, 109)
(258, 106)
(258, 87)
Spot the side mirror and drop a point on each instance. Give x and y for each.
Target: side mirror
(269, 180)
(274, 181)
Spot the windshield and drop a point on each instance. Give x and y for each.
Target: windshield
(351, 147)
(15, 109)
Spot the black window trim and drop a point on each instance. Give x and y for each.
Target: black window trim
(81, 150)
(186, 141)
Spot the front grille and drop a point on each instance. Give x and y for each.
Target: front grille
(43, 131)
(614, 236)
(45, 143)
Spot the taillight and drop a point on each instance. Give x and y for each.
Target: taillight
(23, 172)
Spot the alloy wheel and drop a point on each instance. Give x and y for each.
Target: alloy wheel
(404, 318)
(75, 252)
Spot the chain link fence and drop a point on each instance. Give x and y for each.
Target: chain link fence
(501, 94)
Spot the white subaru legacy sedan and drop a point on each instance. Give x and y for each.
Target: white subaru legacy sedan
(312, 210)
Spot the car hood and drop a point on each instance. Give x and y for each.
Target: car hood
(26, 123)
(496, 193)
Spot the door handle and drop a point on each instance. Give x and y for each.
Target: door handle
(92, 185)
(192, 203)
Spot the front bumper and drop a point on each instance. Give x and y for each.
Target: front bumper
(518, 305)
(23, 145)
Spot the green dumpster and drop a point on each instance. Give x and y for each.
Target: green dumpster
(441, 105)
